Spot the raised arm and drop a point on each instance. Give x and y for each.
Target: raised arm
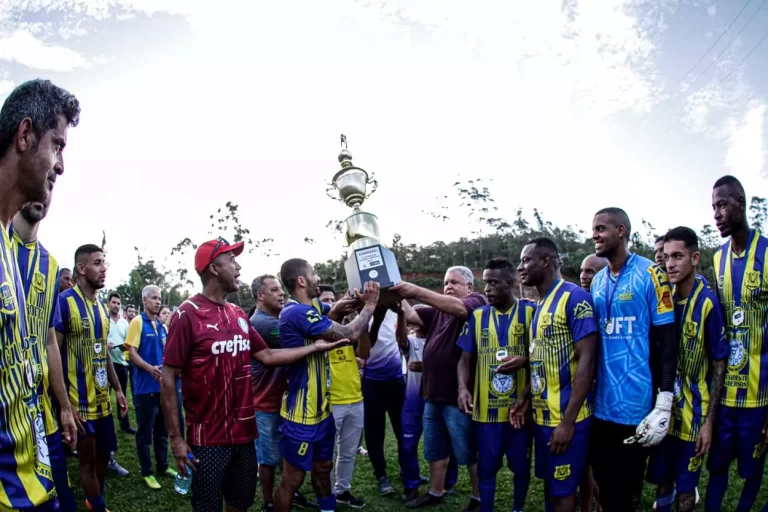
(401, 333)
(451, 305)
(411, 316)
(355, 328)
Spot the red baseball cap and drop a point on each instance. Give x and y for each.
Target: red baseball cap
(209, 250)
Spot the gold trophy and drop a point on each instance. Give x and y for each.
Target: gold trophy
(367, 258)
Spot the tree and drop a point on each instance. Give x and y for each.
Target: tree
(758, 212)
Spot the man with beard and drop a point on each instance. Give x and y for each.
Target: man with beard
(210, 345)
(145, 342)
(41, 288)
(741, 429)
(82, 334)
(308, 428)
(634, 307)
(496, 336)
(268, 384)
(33, 132)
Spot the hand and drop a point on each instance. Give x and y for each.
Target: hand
(405, 290)
(79, 421)
(68, 426)
(654, 427)
(519, 412)
(414, 366)
(360, 363)
(561, 438)
(370, 294)
(511, 364)
(704, 440)
(122, 403)
(465, 401)
(110, 346)
(157, 373)
(396, 307)
(325, 346)
(181, 453)
(345, 306)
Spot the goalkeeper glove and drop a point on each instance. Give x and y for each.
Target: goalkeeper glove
(654, 427)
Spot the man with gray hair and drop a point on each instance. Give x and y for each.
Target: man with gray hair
(445, 426)
(146, 342)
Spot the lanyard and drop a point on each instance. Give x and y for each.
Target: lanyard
(738, 280)
(609, 294)
(502, 326)
(698, 283)
(88, 310)
(539, 307)
(31, 272)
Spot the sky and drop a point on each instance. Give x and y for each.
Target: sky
(566, 106)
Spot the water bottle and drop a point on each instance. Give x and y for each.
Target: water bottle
(181, 483)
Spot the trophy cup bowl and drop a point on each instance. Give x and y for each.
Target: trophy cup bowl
(351, 182)
(361, 225)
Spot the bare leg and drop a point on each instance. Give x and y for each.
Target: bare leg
(89, 479)
(321, 478)
(267, 481)
(290, 482)
(437, 470)
(474, 479)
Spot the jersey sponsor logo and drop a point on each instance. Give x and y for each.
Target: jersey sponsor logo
(313, 316)
(232, 347)
(562, 472)
(625, 295)
(752, 280)
(243, 324)
(619, 323)
(583, 310)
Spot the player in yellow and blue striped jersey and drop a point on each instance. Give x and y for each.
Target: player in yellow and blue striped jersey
(742, 284)
(675, 464)
(496, 338)
(562, 355)
(34, 121)
(88, 372)
(39, 276)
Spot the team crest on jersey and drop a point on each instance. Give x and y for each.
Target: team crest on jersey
(484, 337)
(562, 472)
(690, 329)
(243, 324)
(752, 280)
(518, 330)
(502, 384)
(694, 464)
(678, 387)
(85, 322)
(538, 382)
(38, 282)
(583, 310)
(7, 298)
(737, 359)
(545, 320)
(101, 377)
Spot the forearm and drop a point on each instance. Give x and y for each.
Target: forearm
(666, 337)
(139, 361)
(718, 379)
(283, 356)
(355, 328)
(363, 348)
(411, 317)
(373, 333)
(401, 335)
(170, 402)
(445, 303)
(582, 383)
(55, 371)
(462, 372)
(112, 375)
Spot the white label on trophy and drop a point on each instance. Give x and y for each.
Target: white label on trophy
(369, 257)
(373, 274)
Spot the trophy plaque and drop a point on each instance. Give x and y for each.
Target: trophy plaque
(367, 258)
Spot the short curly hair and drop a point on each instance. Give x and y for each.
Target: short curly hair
(42, 102)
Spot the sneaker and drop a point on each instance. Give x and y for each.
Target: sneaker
(362, 451)
(299, 500)
(90, 507)
(117, 468)
(385, 488)
(347, 499)
(474, 504)
(151, 482)
(698, 498)
(169, 472)
(410, 494)
(425, 500)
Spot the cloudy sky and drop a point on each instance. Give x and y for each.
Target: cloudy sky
(568, 106)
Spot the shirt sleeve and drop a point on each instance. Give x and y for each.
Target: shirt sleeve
(257, 342)
(133, 338)
(178, 346)
(659, 296)
(427, 316)
(311, 323)
(580, 314)
(714, 331)
(63, 322)
(55, 312)
(467, 337)
(473, 301)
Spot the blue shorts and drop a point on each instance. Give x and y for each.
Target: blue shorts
(67, 501)
(267, 449)
(445, 426)
(494, 440)
(52, 505)
(675, 460)
(738, 434)
(103, 429)
(562, 473)
(301, 454)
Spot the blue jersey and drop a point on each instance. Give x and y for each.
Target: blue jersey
(627, 306)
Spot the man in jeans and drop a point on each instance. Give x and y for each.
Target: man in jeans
(444, 424)
(146, 342)
(118, 330)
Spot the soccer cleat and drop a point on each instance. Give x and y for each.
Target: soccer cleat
(299, 500)
(151, 482)
(385, 488)
(347, 499)
(170, 472)
(410, 494)
(90, 507)
(117, 468)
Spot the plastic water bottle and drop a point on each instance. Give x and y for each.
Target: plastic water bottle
(181, 483)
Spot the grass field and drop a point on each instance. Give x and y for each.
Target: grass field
(130, 494)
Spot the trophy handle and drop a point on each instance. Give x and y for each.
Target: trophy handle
(373, 185)
(332, 192)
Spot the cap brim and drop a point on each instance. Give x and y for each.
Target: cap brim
(235, 248)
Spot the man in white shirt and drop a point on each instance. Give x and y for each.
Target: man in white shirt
(118, 329)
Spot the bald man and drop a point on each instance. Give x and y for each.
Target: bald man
(591, 265)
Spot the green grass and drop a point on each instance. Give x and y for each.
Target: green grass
(131, 494)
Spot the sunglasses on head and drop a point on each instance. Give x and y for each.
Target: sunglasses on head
(217, 247)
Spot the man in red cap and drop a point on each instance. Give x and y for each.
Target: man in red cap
(210, 345)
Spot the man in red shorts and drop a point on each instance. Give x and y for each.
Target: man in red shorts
(210, 345)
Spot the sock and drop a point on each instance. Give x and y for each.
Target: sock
(327, 504)
(548, 506)
(749, 493)
(718, 483)
(97, 503)
(666, 502)
(436, 495)
(522, 483)
(487, 493)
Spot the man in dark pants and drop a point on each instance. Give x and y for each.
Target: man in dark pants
(118, 330)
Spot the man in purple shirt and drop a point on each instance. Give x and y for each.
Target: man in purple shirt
(445, 426)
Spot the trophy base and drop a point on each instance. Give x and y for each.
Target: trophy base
(371, 263)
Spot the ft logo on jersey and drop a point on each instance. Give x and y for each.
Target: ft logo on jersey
(233, 347)
(617, 324)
